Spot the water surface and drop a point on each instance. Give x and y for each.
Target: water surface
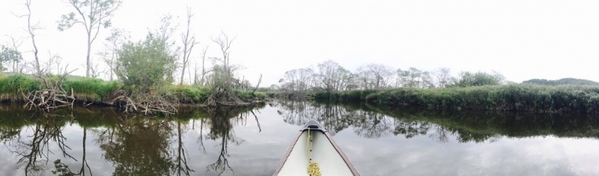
(379, 141)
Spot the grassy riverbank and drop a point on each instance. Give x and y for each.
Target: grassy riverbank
(99, 91)
(514, 97)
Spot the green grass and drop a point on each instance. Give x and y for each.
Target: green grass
(198, 94)
(190, 94)
(247, 94)
(13, 84)
(95, 89)
(92, 89)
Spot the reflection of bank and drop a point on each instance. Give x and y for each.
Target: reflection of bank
(144, 146)
(467, 126)
(34, 150)
(336, 117)
(221, 121)
(135, 145)
(140, 146)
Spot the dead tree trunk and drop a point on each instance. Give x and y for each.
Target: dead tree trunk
(257, 85)
(189, 42)
(31, 30)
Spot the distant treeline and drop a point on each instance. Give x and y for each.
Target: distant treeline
(383, 85)
(562, 81)
(330, 76)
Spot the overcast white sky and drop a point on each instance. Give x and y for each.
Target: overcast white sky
(522, 39)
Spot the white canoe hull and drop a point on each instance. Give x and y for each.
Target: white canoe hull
(329, 157)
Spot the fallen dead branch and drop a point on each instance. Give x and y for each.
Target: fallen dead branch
(142, 103)
(220, 97)
(51, 96)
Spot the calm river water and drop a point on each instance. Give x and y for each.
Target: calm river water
(235, 142)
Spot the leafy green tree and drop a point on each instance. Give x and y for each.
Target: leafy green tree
(93, 15)
(411, 77)
(9, 55)
(468, 79)
(146, 66)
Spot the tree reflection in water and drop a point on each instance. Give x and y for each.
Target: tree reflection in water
(134, 145)
(146, 146)
(139, 146)
(221, 121)
(155, 146)
(33, 150)
(182, 167)
(336, 118)
(465, 126)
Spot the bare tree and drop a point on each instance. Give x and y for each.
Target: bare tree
(117, 37)
(225, 44)
(443, 76)
(221, 79)
(189, 42)
(200, 80)
(375, 76)
(95, 71)
(53, 63)
(98, 16)
(31, 30)
(332, 76)
(298, 80)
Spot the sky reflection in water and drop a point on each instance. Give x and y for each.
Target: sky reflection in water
(411, 142)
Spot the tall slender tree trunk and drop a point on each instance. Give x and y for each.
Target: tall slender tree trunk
(183, 70)
(87, 63)
(30, 29)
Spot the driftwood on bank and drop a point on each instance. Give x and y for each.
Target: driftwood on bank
(142, 103)
(223, 97)
(51, 96)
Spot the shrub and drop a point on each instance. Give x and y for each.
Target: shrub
(14, 84)
(523, 97)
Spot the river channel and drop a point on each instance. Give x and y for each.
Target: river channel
(378, 141)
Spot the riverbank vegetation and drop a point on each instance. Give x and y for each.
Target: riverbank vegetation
(516, 97)
(142, 73)
(382, 85)
(97, 91)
